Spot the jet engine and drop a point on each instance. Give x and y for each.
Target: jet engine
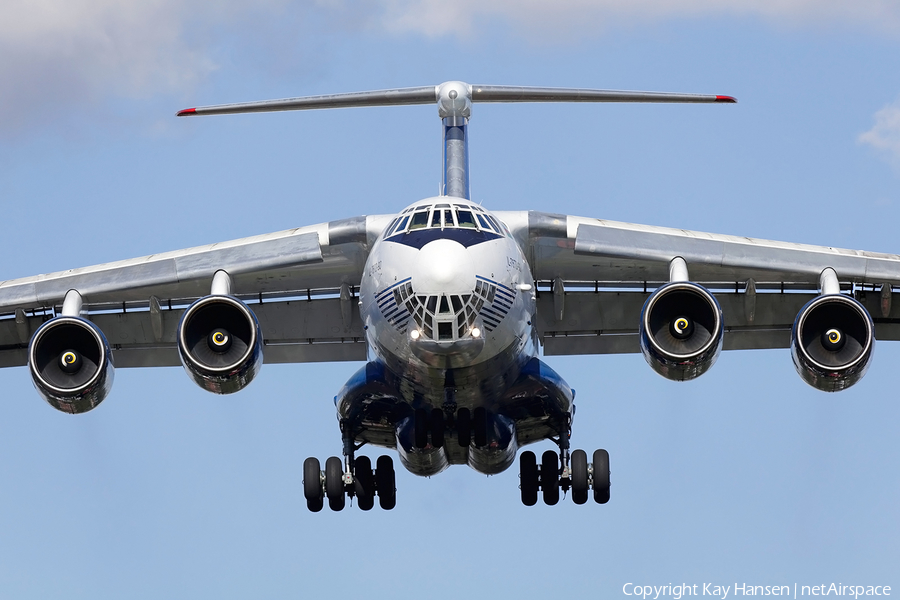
(219, 344)
(71, 364)
(681, 330)
(832, 341)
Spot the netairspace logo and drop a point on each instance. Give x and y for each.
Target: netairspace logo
(712, 590)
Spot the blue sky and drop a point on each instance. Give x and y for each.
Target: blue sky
(745, 475)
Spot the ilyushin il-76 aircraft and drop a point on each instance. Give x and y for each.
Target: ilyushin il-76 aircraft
(450, 306)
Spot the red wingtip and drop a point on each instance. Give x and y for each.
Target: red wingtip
(726, 99)
(186, 112)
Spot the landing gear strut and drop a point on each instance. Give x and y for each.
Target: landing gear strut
(564, 472)
(352, 477)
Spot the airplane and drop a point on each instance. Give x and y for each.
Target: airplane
(451, 307)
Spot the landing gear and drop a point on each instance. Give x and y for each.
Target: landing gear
(334, 483)
(579, 476)
(365, 483)
(464, 427)
(312, 484)
(353, 477)
(337, 484)
(385, 482)
(429, 425)
(600, 476)
(528, 475)
(479, 426)
(562, 471)
(550, 477)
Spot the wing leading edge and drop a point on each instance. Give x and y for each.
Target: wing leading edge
(593, 277)
(299, 281)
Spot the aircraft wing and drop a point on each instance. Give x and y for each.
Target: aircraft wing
(593, 277)
(301, 284)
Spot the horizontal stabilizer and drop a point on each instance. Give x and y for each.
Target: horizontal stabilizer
(509, 93)
(432, 94)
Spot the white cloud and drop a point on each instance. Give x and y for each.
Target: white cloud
(885, 134)
(59, 57)
(63, 54)
(439, 17)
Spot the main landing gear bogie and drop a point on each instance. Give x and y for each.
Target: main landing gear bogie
(560, 471)
(355, 479)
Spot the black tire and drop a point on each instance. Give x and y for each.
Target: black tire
(364, 480)
(601, 476)
(334, 483)
(550, 477)
(579, 467)
(528, 478)
(479, 427)
(464, 427)
(385, 482)
(437, 428)
(420, 428)
(312, 484)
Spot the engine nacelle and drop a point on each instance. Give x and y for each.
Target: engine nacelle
(832, 341)
(681, 330)
(219, 344)
(71, 364)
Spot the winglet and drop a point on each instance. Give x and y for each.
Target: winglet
(186, 112)
(726, 99)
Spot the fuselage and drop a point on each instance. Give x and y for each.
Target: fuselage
(447, 302)
(447, 294)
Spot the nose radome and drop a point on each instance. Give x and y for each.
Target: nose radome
(443, 266)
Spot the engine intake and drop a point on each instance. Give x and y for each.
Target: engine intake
(219, 344)
(71, 364)
(681, 330)
(832, 341)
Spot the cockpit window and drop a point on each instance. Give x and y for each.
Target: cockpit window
(465, 219)
(442, 216)
(399, 224)
(419, 220)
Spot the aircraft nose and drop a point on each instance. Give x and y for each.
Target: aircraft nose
(443, 266)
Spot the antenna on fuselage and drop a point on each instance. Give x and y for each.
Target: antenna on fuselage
(454, 100)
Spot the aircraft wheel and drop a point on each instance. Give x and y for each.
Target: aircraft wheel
(601, 476)
(364, 481)
(550, 477)
(464, 427)
(385, 482)
(334, 483)
(312, 484)
(421, 428)
(528, 478)
(437, 427)
(479, 427)
(579, 467)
